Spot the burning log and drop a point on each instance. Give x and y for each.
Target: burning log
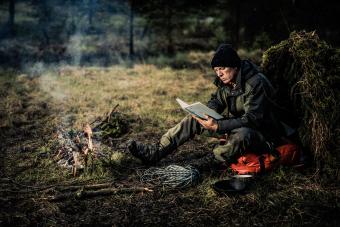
(85, 150)
(77, 163)
(88, 133)
(70, 152)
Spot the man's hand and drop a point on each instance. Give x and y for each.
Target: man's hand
(209, 124)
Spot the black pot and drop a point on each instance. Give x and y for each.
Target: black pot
(234, 185)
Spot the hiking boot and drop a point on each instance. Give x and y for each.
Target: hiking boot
(148, 153)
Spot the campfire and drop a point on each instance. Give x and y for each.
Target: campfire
(75, 149)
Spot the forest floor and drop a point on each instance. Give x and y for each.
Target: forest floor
(35, 104)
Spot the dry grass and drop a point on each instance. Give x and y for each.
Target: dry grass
(305, 70)
(69, 96)
(143, 91)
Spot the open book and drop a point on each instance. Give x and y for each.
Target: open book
(199, 110)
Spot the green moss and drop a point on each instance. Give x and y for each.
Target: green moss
(305, 71)
(115, 125)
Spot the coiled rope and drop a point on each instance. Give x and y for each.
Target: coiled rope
(172, 176)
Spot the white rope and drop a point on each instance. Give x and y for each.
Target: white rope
(172, 176)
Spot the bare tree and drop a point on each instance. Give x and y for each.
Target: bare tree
(131, 19)
(232, 22)
(11, 17)
(91, 11)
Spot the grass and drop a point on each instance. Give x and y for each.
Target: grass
(142, 91)
(32, 107)
(305, 70)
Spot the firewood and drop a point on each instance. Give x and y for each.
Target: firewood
(5, 180)
(90, 186)
(110, 113)
(87, 130)
(101, 192)
(77, 163)
(110, 191)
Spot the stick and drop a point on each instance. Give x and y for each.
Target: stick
(109, 114)
(90, 186)
(106, 191)
(110, 191)
(90, 144)
(97, 119)
(5, 180)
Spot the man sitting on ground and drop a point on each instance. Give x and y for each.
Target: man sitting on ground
(245, 98)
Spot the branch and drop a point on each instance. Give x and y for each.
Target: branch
(110, 113)
(90, 186)
(101, 192)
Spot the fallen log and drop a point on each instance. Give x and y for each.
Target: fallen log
(110, 191)
(78, 187)
(5, 180)
(102, 192)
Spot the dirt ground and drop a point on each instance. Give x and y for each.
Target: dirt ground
(30, 178)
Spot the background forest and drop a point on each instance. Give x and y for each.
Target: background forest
(109, 32)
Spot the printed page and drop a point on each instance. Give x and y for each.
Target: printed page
(199, 110)
(182, 103)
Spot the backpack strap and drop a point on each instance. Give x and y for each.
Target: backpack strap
(262, 166)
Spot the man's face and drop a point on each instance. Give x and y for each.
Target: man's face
(226, 74)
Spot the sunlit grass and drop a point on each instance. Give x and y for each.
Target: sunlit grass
(78, 95)
(143, 91)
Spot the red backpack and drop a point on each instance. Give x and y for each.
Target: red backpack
(251, 163)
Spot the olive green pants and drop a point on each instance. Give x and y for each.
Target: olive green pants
(238, 140)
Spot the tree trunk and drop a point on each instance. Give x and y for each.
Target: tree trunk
(232, 23)
(91, 12)
(131, 45)
(11, 17)
(45, 18)
(237, 23)
(169, 28)
(235, 28)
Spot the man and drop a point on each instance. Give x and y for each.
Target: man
(244, 96)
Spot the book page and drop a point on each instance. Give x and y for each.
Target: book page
(199, 110)
(182, 103)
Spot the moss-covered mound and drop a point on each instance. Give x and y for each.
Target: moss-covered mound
(113, 125)
(305, 70)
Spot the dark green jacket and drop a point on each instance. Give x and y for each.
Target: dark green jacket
(249, 104)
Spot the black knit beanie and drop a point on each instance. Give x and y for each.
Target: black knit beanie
(226, 56)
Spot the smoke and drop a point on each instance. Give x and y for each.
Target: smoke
(48, 82)
(82, 32)
(35, 69)
(74, 48)
(76, 42)
(68, 34)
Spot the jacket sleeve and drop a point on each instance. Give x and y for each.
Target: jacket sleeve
(255, 106)
(215, 102)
